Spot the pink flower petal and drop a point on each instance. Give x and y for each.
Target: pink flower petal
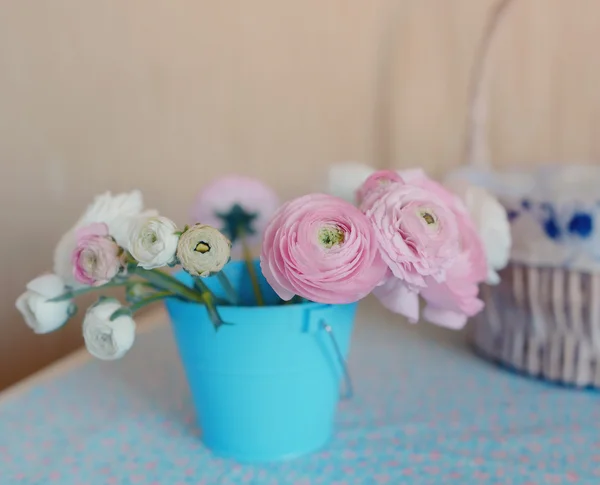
(220, 195)
(295, 261)
(444, 318)
(94, 229)
(398, 297)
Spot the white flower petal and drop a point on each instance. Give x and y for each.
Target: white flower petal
(107, 207)
(48, 285)
(120, 227)
(117, 212)
(41, 315)
(345, 179)
(35, 302)
(62, 258)
(491, 221)
(493, 278)
(204, 263)
(106, 339)
(152, 241)
(51, 316)
(22, 305)
(104, 309)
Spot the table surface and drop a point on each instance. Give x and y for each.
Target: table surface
(426, 411)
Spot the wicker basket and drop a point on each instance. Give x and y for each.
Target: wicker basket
(543, 319)
(544, 322)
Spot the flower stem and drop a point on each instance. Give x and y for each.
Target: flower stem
(130, 310)
(232, 295)
(165, 281)
(251, 270)
(213, 313)
(88, 289)
(205, 290)
(209, 301)
(159, 295)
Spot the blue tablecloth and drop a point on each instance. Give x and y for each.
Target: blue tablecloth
(426, 411)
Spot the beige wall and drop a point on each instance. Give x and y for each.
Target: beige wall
(164, 95)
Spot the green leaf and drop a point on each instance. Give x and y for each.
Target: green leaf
(123, 311)
(179, 233)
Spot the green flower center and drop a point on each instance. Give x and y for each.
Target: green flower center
(428, 217)
(150, 238)
(329, 236)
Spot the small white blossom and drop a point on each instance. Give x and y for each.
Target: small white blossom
(346, 178)
(203, 250)
(153, 241)
(106, 339)
(41, 315)
(116, 211)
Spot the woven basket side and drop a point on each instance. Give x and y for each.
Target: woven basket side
(544, 322)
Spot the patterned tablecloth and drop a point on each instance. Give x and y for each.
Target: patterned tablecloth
(426, 411)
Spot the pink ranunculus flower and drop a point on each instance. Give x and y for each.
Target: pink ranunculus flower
(452, 301)
(321, 248)
(375, 182)
(214, 203)
(96, 258)
(417, 176)
(417, 232)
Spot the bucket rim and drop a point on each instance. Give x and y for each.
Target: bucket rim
(307, 305)
(181, 276)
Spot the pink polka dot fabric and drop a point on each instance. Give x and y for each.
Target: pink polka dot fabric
(424, 412)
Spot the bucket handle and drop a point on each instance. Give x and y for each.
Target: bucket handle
(349, 388)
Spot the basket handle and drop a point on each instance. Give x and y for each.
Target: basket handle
(477, 144)
(349, 390)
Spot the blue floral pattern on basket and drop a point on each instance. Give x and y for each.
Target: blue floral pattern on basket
(571, 227)
(554, 212)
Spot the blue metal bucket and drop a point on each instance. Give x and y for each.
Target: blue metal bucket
(266, 387)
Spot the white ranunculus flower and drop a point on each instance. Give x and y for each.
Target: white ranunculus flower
(116, 211)
(41, 315)
(203, 250)
(346, 178)
(153, 241)
(491, 221)
(106, 339)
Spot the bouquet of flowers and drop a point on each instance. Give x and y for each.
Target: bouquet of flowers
(439, 241)
(403, 237)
